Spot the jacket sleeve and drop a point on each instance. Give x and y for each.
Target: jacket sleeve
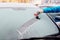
(54, 9)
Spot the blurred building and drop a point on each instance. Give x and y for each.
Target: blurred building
(32, 1)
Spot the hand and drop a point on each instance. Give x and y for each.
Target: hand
(37, 15)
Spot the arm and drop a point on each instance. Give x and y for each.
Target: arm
(55, 9)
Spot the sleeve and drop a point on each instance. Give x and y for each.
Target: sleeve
(54, 9)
